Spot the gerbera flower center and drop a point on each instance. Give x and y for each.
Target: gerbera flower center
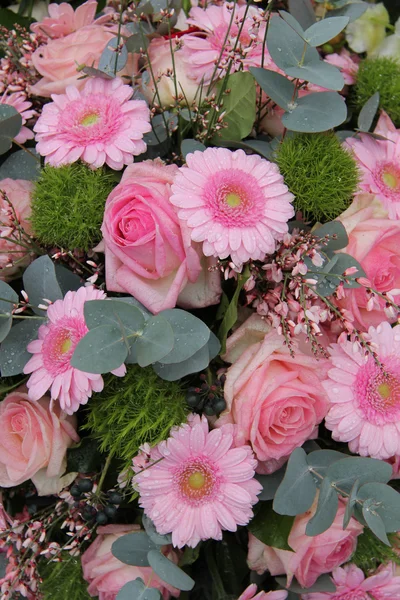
(196, 480)
(89, 119)
(233, 199)
(60, 343)
(377, 390)
(387, 178)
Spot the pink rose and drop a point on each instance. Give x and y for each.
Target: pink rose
(107, 575)
(63, 19)
(250, 593)
(18, 193)
(34, 436)
(347, 63)
(59, 59)
(161, 63)
(375, 243)
(311, 556)
(275, 400)
(148, 251)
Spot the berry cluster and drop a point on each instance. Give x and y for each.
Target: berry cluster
(91, 506)
(208, 397)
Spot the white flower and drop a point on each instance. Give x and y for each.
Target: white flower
(366, 33)
(390, 47)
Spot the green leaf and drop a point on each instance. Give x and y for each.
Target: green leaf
(270, 483)
(136, 590)
(128, 318)
(101, 350)
(13, 352)
(319, 72)
(169, 572)
(137, 43)
(112, 61)
(338, 237)
(132, 549)
(190, 335)
(189, 146)
(196, 363)
(368, 112)
(270, 527)
(40, 282)
(10, 125)
(286, 47)
(276, 86)
(297, 491)
(20, 165)
(316, 112)
(387, 503)
(67, 280)
(348, 513)
(294, 24)
(303, 12)
(239, 106)
(155, 537)
(323, 31)
(326, 510)
(9, 18)
(345, 472)
(374, 521)
(156, 341)
(353, 11)
(7, 300)
(320, 460)
(324, 583)
(230, 316)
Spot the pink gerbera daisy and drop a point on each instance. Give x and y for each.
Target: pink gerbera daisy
(202, 485)
(50, 364)
(63, 19)
(365, 396)
(98, 124)
(235, 204)
(218, 38)
(379, 163)
(351, 584)
(19, 102)
(250, 593)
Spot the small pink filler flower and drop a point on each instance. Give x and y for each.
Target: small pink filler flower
(52, 352)
(202, 485)
(98, 124)
(351, 584)
(365, 397)
(235, 204)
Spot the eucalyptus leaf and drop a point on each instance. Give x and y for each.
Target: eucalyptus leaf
(286, 47)
(188, 146)
(374, 521)
(324, 583)
(387, 503)
(337, 233)
(230, 316)
(323, 31)
(13, 352)
(129, 319)
(261, 147)
(368, 112)
(20, 165)
(276, 86)
(196, 363)
(67, 280)
(325, 513)
(190, 335)
(10, 126)
(345, 472)
(100, 351)
(348, 513)
(159, 133)
(8, 298)
(112, 60)
(319, 72)
(270, 527)
(293, 22)
(270, 483)
(40, 282)
(167, 571)
(155, 342)
(239, 106)
(137, 43)
(353, 10)
(297, 491)
(303, 12)
(155, 537)
(136, 590)
(316, 112)
(132, 549)
(320, 460)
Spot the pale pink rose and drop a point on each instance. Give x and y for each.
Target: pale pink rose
(13, 256)
(148, 250)
(375, 243)
(347, 63)
(59, 59)
(63, 19)
(312, 555)
(107, 575)
(275, 400)
(250, 593)
(160, 57)
(34, 436)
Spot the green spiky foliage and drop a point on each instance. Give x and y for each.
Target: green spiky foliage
(133, 410)
(63, 580)
(379, 75)
(321, 174)
(68, 206)
(371, 552)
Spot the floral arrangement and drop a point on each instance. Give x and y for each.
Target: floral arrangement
(200, 300)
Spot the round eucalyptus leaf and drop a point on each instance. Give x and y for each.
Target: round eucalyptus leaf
(316, 112)
(40, 282)
(368, 112)
(156, 538)
(374, 521)
(276, 86)
(132, 549)
(101, 350)
(169, 572)
(189, 146)
(286, 47)
(345, 472)
(321, 32)
(297, 491)
(319, 72)
(348, 513)
(128, 318)
(112, 60)
(190, 335)
(8, 298)
(20, 165)
(155, 342)
(387, 503)
(325, 514)
(10, 126)
(136, 590)
(13, 352)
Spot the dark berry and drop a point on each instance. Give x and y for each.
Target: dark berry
(85, 485)
(88, 512)
(219, 406)
(75, 491)
(101, 518)
(111, 511)
(115, 498)
(192, 399)
(209, 410)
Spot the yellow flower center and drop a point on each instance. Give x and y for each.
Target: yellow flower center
(89, 119)
(233, 199)
(384, 390)
(66, 345)
(196, 481)
(390, 180)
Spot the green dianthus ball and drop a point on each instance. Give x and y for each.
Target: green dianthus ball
(379, 75)
(68, 205)
(321, 174)
(130, 411)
